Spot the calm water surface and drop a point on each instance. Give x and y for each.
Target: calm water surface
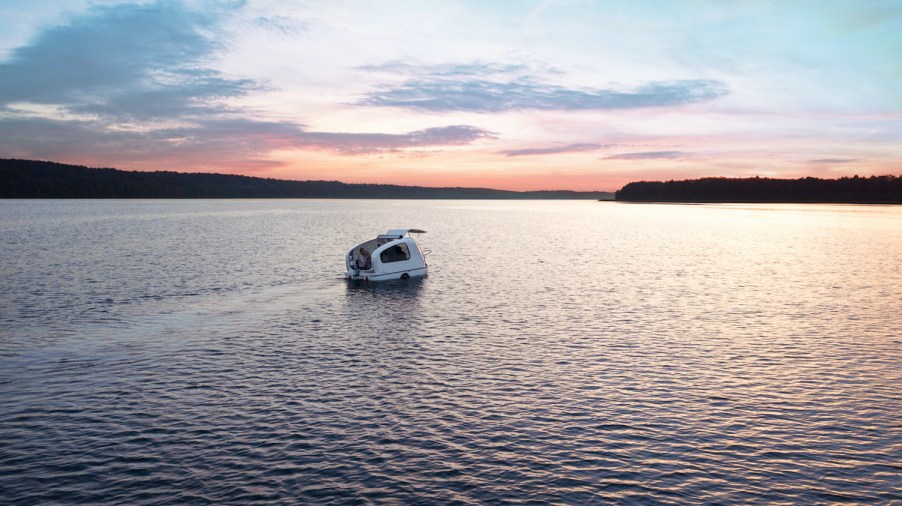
(209, 352)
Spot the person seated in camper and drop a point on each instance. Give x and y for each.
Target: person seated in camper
(364, 260)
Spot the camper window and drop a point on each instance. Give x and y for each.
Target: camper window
(396, 253)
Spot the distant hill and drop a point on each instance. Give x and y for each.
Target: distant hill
(38, 179)
(846, 190)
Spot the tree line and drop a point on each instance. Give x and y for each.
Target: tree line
(39, 179)
(851, 190)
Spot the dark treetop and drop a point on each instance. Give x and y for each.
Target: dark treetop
(36, 179)
(846, 190)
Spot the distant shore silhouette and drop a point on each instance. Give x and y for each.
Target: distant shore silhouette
(845, 190)
(43, 179)
(40, 179)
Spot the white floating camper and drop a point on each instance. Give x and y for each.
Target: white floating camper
(392, 255)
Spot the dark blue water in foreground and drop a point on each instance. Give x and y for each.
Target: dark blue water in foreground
(209, 352)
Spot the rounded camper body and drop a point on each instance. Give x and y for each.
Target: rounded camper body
(392, 255)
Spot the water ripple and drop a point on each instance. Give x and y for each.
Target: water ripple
(214, 365)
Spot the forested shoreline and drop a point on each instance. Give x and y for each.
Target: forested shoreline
(40, 179)
(845, 190)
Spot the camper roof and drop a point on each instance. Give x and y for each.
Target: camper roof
(397, 233)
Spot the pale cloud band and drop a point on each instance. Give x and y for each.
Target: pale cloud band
(833, 160)
(368, 143)
(215, 142)
(440, 94)
(570, 148)
(648, 155)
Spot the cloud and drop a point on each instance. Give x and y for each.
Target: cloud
(833, 160)
(538, 9)
(211, 142)
(132, 83)
(648, 155)
(124, 62)
(281, 25)
(441, 93)
(256, 138)
(369, 143)
(476, 69)
(570, 148)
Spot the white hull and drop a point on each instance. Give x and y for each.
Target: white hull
(393, 255)
(388, 276)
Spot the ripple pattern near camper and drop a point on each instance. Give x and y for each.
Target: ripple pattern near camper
(750, 355)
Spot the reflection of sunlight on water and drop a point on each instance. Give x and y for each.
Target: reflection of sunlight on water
(571, 352)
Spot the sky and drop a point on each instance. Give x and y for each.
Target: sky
(520, 95)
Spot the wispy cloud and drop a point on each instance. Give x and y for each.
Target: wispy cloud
(570, 148)
(648, 155)
(368, 143)
(214, 142)
(281, 25)
(443, 93)
(481, 69)
(833, 160)
(538, 9)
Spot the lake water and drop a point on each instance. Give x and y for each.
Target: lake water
(558, 352)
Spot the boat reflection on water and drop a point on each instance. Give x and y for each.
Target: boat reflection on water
(377, 309)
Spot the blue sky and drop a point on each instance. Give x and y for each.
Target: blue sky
(523, 95)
